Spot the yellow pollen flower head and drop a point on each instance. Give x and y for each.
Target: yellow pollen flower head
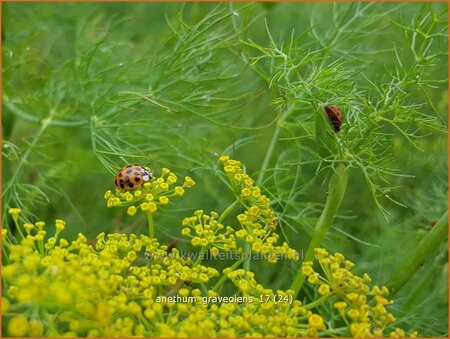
(316, 321)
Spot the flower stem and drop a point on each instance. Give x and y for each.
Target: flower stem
(248, 253)
(228, 210)
(151, 226)
(224, 277)
(269, 152)
(16, 222)
(317, 302)
(416, 258)
(247, 247)
(272, 144)
(336, 190)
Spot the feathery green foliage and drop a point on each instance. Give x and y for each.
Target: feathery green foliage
(91, 87)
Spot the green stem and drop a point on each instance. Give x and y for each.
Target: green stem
(416, 258)
(228, 210)
(268, 156)
(272, 144)
(317, 302)
(248, 254)
(336, 190)
(24, 159)
(224, 277)
(246, 245)
(41, 248)
(16, 222)
(151, 226)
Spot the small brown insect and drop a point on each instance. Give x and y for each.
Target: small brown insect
(431, 225)
(335, 115)
(171, 244)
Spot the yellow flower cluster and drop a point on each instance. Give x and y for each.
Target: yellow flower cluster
(361, 308)
(249, 194)
(286, 316)
(206, 231)
(259, 221)
(150, 195)
(234, 319)
(132, 286)
(121, 287)
(81, 290)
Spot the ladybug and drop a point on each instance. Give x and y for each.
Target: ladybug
(335, 115)
(132, 176)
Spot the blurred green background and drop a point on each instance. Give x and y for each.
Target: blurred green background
(91, 87)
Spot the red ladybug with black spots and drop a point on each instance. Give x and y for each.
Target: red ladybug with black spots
(132, 176)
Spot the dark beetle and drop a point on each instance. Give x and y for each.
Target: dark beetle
(335, 115)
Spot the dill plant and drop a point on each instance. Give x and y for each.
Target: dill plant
(210, 84)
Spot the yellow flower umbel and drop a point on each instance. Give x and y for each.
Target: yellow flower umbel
(258, 222)
(207, 232)
(361, 308)
(122, 285)
(274, 313)
(114, 289)
(81, 290)
(150, 195)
